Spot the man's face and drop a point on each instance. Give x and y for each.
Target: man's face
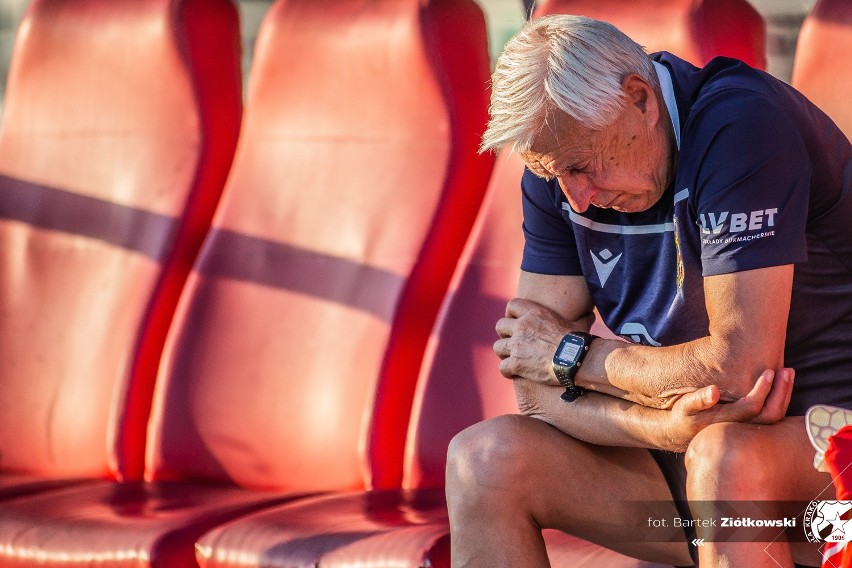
(626, 166)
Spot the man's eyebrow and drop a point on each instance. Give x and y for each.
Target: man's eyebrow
(548, 173)
(538, 169)
(545, 176)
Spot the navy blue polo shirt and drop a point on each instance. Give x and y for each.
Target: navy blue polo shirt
(763, 178)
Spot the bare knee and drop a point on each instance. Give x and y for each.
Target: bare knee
(488, 457)
(725, 461)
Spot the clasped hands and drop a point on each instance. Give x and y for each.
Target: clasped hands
(530, 333)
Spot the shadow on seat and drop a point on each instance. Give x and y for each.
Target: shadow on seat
(114, 151)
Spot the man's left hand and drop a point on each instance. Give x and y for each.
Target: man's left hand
(530, 334)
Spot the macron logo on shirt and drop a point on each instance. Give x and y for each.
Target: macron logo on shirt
(638, 334)
(604, 264)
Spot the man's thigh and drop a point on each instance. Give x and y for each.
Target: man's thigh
(603, 494)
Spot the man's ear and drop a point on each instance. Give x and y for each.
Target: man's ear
(641, 94)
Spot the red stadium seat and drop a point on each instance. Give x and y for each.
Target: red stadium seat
(821, 68)
(293, 358)
(120, 122)
(459, 385)
(695, 30)
(354, 190)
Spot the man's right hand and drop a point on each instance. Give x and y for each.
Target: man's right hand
(766, 403)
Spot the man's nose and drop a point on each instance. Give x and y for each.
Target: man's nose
(579, 191)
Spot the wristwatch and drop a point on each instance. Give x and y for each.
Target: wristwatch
(567, 360)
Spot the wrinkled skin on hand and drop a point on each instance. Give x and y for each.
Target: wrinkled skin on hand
(529, 336)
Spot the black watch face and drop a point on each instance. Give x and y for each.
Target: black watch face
(569, 350)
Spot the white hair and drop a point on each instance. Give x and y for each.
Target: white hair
(561, 62)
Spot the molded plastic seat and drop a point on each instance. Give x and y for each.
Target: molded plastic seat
(694, 30)
(293, 357)
(356, 183)
(821, 68)
(459, 385)
(120, 123)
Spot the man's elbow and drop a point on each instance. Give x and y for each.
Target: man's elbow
(733, 370)
(738, 377)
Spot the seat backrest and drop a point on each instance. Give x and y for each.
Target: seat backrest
(460, 383)
(355, 185)
(694, 30)
(120, 122)
(821, 68)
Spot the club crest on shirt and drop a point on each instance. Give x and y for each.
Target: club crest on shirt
(680, 271)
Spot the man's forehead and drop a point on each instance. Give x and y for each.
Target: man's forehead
(560, 134)
(567, 145)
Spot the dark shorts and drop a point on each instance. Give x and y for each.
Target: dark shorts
(673, 467)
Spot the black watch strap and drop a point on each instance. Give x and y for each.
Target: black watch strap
(565, 375)
(572, 393)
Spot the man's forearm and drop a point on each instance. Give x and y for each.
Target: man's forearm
(599, 418)
(656, 376)
(605, 420)
(651, 376)
(747, 321)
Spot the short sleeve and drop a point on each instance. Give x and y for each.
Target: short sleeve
(549, 245)
(752, 186)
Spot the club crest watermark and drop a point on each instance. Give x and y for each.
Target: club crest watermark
(828, 521)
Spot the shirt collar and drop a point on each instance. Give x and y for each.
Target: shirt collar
(666, 86)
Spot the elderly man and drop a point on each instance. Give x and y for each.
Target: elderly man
(707, 215)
